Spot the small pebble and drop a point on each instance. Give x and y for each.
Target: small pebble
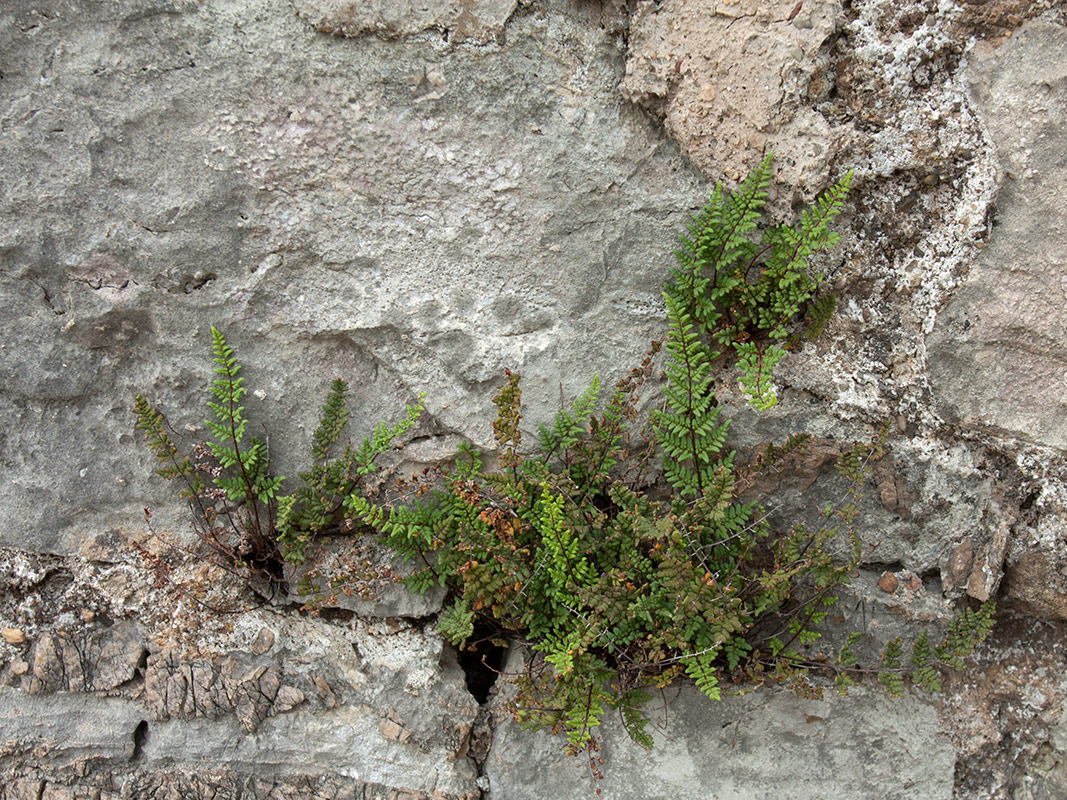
(263, 642)
(888, 582)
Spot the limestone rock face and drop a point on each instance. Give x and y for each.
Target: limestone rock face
(474, 21)
(343, 706)
(731, 79)
(405, 215)
(996, 356)
(414, 196)
(742, 749)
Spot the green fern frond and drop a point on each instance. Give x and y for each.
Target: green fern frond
(700, 668)
(889, 676)
(383, 438)
(568, 427)
(333, 420)
(633, 718)
(688, 428)
(756, 365)
(456, 624)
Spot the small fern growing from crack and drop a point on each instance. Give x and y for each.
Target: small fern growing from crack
(742, 295)
(320, 502)
(245, 466)
(616, 589)
(238, 508)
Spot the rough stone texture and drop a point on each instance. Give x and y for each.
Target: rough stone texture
(331, 208)
(450, 188)
(87, 660)
(1003, 717)
(764, 745)
(1040, 588)
(730, 79)
(996, 356)
(176, 783)
(363, 580)
(380, 703)
(472, 21)
(152, 689)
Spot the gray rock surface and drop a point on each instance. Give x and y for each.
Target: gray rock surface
(405, 215)
(115, 681)
(996, 356)
(376, 703)
(766, 744)
(415, 196)
(473, 21)
(104, 745)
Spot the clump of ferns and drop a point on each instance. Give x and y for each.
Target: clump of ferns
(238, 511)
(617, 584)
(616, 587)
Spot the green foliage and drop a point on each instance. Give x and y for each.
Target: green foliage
(234, 515)
(616, 583)
(616, 588)
(630, 706)
(245, 467)
(924, 673)
(244, 518)
(688, 428)
(889, 676)
(319, 504)
(967, 631)
(172, 464)
(742, 296)
(457, 622)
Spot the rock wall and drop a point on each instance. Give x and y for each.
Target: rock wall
(416, 196)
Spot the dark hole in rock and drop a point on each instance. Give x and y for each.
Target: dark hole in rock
(338, 615)
(481, 661)
(140, 736)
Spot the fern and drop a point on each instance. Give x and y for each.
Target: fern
(924, 673)
(246, 473)
(633, 720)
(968, 630)
(688, 429)
(565, 550)
(743, 296)
(889, 676)
(246, 518)
(819, 313)
(506, 425)
(569, 426)
(457, 623)
(616, 586)
(384, 438)
(151, 422)
(704, 675)
(845, 662)
(332, 423)
(756, 365)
